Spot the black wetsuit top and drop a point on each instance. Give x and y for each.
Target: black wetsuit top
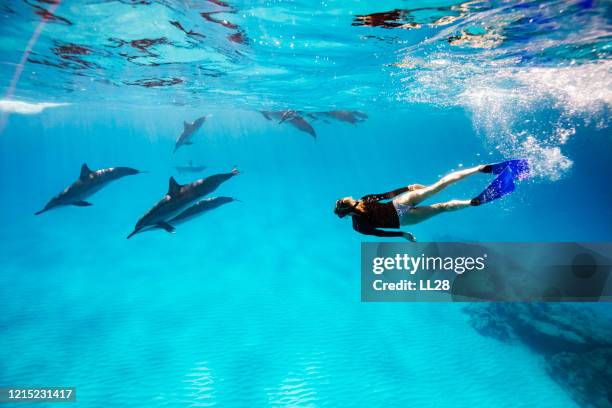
(378, 215)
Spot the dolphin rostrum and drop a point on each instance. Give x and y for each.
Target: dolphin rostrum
(189, 130)
(190, 168)
(178, 197)
(89, 182)
(199, 208)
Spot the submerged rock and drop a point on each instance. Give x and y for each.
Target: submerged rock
(587, 377)
(546, 327)
(489, 322)
(576, 343)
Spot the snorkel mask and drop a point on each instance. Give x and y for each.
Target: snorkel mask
(342, 209)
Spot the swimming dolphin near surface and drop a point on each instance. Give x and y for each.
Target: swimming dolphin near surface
(190, 168)
(287, 115)
(351, 117)
(89, 182)
(188, 131)
(292, 117)
(300, 123)
(178, 197)
(199, 208)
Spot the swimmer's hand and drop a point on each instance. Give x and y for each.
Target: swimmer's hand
(409, 236)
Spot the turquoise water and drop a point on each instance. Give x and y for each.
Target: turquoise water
(257, 303)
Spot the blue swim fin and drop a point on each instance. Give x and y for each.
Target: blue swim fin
(519, 167)
(502, 185)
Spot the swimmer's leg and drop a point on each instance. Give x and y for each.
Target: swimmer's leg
(421, 213)
(416, 196)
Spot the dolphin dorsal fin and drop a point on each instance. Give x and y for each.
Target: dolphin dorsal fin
(85, 172)
(173, 187)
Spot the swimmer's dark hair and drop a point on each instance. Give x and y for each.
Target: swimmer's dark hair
(342, 208)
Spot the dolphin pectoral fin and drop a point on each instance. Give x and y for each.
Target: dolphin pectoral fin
(169, 228)
(188, 143)
(82, 203)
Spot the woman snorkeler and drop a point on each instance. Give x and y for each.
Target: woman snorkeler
(370, 213)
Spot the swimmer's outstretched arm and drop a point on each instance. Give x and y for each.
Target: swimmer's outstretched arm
(383, 233)
(393, 193)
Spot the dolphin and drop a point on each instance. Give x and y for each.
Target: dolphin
(190, 168)
(287, 115)
(199, 208)
(300, 123)
(351, 117)
(178, 197)
(292, 117)
(89, 182)
(188, 131)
